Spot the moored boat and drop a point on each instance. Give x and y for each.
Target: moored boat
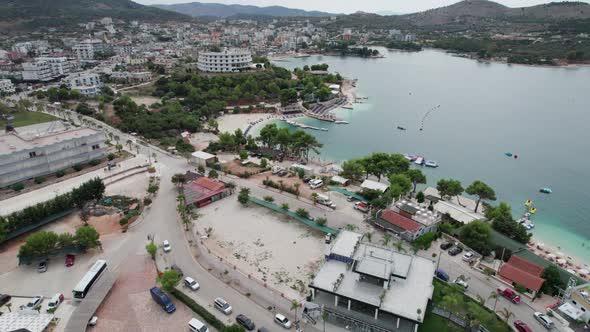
(546, 190)
(431, 163)
(409, 157)
(419, 161)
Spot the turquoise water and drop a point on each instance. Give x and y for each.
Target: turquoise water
(540, 114)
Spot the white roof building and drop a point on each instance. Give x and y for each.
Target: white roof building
(374, 185)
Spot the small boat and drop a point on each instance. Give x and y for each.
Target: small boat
(508, 154)
(528, 203)
(529, 226)
(401, 128)
(347, 107)
(546, 190)
(533, 210)
(341, 122)
(419, 161)
(431, 163)
(409, 157)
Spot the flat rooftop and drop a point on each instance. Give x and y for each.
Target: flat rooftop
(345, 243)
(13, 142)
(24, 319)
(410, 280)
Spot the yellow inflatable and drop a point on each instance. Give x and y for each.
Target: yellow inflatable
(533, 210)
(528, 203)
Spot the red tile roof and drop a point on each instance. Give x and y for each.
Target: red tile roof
(400, 221)
(209, 184)
(523, 272)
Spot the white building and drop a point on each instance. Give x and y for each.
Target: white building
(6, 86)
(86, 49)
(37, 71)
(28, 154)
(106, 21)
(226, 61)
(59, 65)
(88, 84)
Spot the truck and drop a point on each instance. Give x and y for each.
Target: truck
(162, 299)
(509, 294)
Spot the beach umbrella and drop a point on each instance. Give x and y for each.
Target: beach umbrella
(540, 245)
(561, 261)
(551, 257)
(584, 272)
(570, 271)
(560, 254)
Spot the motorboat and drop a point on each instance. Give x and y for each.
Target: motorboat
(409, 157)
(401, 128)
(431, 163)
(546, 190)
(508, 154)
(419, 161)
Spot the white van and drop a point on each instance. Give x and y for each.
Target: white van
(55, 301)
(195, 325)
(325, 200)
(222, 305)
(315, 183)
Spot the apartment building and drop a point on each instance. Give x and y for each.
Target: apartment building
(225, 61)
(37, 71)
(6, 86)
(88, 84)
(86, 49)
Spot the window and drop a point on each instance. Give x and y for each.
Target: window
(95, 147)
(32, 154)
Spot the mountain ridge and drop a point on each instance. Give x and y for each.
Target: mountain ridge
(200, 9)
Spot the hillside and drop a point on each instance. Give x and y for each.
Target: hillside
(483, 12)
(198, 9)
(54, 13)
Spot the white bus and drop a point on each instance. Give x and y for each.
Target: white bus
(89, 279)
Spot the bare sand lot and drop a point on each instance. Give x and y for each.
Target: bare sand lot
(272, 248)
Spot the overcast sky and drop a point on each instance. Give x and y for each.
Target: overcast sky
(350, 6)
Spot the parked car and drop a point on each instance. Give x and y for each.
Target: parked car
(4, 298)
(325, 200)
(93, 321)
(282, 321)
(461, 282)
(468, 257)
(167, 246)
(316, 183)
(70, 259)
(446, 245)
(55, 301)
(282, 173)
(263, 329)
(35, 301)
(162, 299)
(328, 238)
(521, 326)
(246, 322)
(441, 274)
(544, 320)
(42, 266)
(509, 294)
(222, 305)
(191, 283)
(360, 206)
(195, 325)
(177, 269)
(351, 199)
(456, 250)
(305, 180)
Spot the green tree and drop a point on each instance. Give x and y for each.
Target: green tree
(482, 191)
(285, 206)
(269, 199)
(386, 239)
(263, 162)
(353, 170)
(552, 280)
(39, 244)
(169, 280)
(233, 328)
(178, 180)
(87, 237)
(151, 249)
(302, 213)
(416, 176)
(321, 221)
(243, 155)
(402, 181)
(244, 196)
(478, 236)
(420, 197)
(449, 188)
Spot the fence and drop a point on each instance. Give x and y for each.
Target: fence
(460, 321)
(29, 228)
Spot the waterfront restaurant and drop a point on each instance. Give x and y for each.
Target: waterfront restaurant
(366, 287)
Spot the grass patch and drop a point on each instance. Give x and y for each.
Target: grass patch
(199, 310)
(436, 323)
(22, 119)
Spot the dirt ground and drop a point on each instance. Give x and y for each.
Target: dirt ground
(236, 167)
(255, 240)
(145, 100)
(201, 140)
(288, 180)
(129, 306)
(134, 186)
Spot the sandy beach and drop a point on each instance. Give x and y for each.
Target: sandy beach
(231, 122)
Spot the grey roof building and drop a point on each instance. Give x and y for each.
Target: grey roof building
(371, 288)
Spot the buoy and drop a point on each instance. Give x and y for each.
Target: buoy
(515, 156)
(533, 210)
(528, 203)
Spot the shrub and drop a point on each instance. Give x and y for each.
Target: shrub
(147, 201)
(39, 180)
(17, 186)
(423, 242)
(95, 162)
(269, 199)
(199, 310)
(420, 197)
(285, 206)
(124, 221)
(77, 167)
(153, 188)
(111, 156)
(321, 221)
(302, 213)
(263, 163)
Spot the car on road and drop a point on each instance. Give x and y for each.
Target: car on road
(177, 269)
(42, 266)
(446, 245)
(167, 246)
(468, 257)
(521, 326)
(246, 322)
(456, 250)
(461, 282)
(55, 301)
(222, 305)
(282, 321)
(282, 173)
(93, 321)
(191, 283)
(361, 206)
(4, 298)
(509, 294)
(70, 259)
(35, 302)
(544, 320)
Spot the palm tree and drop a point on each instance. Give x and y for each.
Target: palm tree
(129, 143)
(494, 295)
(506, 313)
(314, 198)
(369, 236)
(480, 299)
(295, 306)
(8, 305)
(399, 245)
(386, 239)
